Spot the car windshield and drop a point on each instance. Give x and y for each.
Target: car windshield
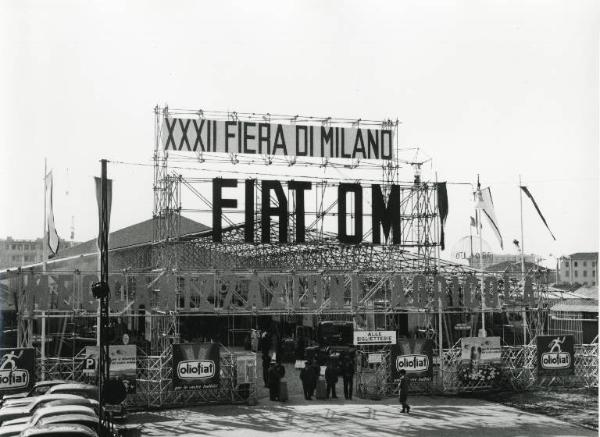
(40, 390)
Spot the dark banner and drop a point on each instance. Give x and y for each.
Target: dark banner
(195, 366)
(415, 356)
(555, 355)
(17, 369)
(123, 364)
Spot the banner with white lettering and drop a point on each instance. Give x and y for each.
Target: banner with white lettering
(250, 137)
(415, 356)
(480, 349)
(555, 355)
(17, 369)
(370, 338)
(196, 366)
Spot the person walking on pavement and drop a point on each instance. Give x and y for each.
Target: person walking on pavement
(348, 376)
(266, 361)
(331, 378)
(274, 378)
(309, 380)
(403, 391)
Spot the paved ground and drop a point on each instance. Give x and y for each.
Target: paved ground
(439, 416)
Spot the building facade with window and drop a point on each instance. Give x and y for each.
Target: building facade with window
(20, 252)
(580, 268)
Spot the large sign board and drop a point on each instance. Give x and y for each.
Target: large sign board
(123, 363)
(270, 293)
(17, 369)
(415, 356)
(265, 138)
(555, 355)
(196, 366)
(475, 350)
(374, 338)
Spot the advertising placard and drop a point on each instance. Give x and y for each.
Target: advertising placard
(480, 349)
(17, 369)
(123, 363)
(370, 338)
(264, 138)
(375, 358)
(415, 356)
(555, 355)
(196, 366)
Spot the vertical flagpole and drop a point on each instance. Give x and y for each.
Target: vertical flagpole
(482, 332)
(45, 227)
(524, 314)
(522, 239)
(44, 258)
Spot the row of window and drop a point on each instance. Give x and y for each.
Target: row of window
(576, 265)
(24, 258)
(576, 273)
(21, 246)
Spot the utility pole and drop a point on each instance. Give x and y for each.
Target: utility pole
(103, 355)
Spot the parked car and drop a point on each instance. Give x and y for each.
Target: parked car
(78, 419)
(91, 403)
(60, 430)
(39, 388)
(86, 390)
(21, 402)
(51, 412)
(9, 413)
(84, 402)
(11, 431)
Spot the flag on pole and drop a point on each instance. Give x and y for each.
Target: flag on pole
(484, 202)
(442, 196)
(473, 222)
(98, 182)
(537, 208)
(52, 241)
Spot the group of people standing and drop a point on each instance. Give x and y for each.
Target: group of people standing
(310, 376)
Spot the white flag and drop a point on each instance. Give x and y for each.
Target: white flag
(483, 202)
(51, 236)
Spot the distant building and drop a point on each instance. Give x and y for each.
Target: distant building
(579, 268)
(21, 252)
(490, 259)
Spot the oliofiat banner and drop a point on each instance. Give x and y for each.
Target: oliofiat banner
(17, 369)
(415, 356)
(196, 366)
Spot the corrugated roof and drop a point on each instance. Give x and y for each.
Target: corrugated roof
(585, 256)
(587, 292)
(140, 233)
(576, 305)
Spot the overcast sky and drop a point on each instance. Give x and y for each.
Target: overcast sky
(499, 88)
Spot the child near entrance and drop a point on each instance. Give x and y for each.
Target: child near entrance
(403, 391)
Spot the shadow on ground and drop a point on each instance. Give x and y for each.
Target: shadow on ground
(430, 416)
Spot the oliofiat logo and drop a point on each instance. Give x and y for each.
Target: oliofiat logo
(12, 377)
(556, 358)
(412, 363)
(195, 369)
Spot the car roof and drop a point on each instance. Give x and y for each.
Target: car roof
(50, 382)
(62, 428)
(71, 386)
(67, 409)
(7, 430)
(66, 418)
(82, 401)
